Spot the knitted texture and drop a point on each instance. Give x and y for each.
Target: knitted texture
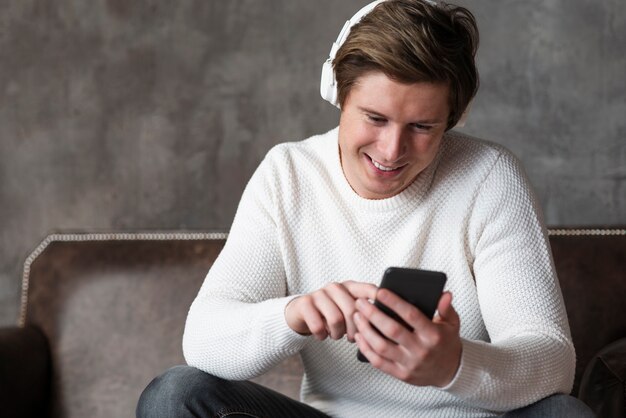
(470, 214)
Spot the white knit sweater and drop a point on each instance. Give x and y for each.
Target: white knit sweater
(470, 214)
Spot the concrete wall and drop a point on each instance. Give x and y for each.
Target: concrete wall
(152, 114)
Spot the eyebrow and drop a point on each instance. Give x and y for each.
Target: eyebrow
(421, 122)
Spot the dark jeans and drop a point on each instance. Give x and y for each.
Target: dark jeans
(184, 391)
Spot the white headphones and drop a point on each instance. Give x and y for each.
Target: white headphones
(328, 83)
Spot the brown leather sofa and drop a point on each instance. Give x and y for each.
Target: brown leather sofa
(102, 314)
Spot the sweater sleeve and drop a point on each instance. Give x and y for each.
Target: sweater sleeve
(530, 354)
(236, 327)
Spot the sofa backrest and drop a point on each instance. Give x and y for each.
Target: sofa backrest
(113, 307)
(591, 266)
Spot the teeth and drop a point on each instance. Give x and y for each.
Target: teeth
(382, 167)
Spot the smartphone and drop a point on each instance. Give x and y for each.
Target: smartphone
(421, 288)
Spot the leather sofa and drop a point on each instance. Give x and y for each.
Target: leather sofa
(102, 314)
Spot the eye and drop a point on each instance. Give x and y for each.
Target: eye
(376, 119)
(420, 127)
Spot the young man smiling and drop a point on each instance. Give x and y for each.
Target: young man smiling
(389, 132)
(321, 220)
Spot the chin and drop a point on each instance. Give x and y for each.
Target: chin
(379, 195)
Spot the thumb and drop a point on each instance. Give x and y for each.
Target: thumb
(445, 311)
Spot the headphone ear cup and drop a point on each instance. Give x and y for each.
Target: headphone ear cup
(463, 119)
(328, 85)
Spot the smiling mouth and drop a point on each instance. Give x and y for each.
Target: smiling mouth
(383, 167)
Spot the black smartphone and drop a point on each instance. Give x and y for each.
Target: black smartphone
(421, 288)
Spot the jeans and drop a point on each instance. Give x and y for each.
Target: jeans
(185, 391)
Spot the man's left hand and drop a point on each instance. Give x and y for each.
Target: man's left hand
(427, 356)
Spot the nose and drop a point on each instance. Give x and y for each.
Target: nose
(392, 144)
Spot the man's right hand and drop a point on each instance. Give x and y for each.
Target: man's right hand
(328, 312)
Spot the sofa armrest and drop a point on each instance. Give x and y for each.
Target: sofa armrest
(24, 372)
(603, 385)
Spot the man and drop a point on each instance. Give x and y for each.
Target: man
(321, 220)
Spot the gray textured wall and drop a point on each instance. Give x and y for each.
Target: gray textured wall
(120, 115)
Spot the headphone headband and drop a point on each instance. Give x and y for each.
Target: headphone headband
(328, 85)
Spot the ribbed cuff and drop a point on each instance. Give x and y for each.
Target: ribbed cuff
(283, 338)
(469, 376)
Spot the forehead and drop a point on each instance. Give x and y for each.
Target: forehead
(377, 92)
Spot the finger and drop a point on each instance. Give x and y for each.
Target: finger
(377, 349)
(330, 312)
(409, 313)
(344, 300)
(363, 346)
(376, 339)
(383, 323)
(390, 367)
(345, 295)
(312, 318)
(445, 310)
(361, 290)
